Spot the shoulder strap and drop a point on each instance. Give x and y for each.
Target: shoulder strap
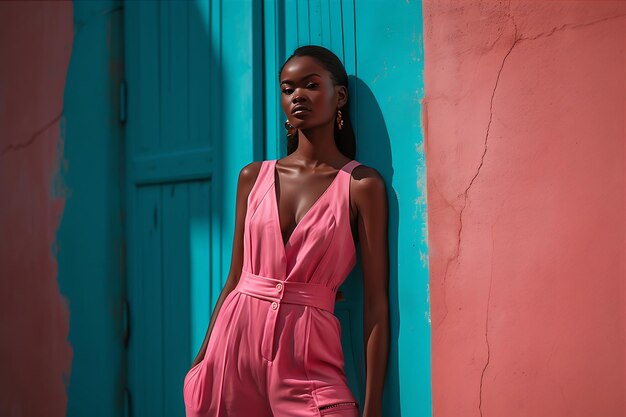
(345, 183)
(351, 165)
(262, 183)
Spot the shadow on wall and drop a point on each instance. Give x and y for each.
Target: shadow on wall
(371, 135)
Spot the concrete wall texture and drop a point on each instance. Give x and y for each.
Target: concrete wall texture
(35, 356)
(524, 123)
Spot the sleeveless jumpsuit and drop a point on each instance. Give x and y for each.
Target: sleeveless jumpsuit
(275, 348)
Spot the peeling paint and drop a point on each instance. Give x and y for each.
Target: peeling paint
(35, 326)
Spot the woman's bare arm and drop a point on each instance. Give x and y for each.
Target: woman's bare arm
(247, 178)
(371, 200)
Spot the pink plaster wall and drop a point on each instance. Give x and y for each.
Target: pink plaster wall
(35, 356)
(524, 124)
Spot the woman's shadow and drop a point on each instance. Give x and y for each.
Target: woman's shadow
(373, 144)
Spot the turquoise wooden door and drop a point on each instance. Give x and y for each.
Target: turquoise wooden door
(171, 158)
(203, 101)
(186, 65)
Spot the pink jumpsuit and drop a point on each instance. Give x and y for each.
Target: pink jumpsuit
(275, 348)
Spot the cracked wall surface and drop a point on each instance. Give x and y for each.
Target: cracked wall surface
(35, 43)
(524, 108)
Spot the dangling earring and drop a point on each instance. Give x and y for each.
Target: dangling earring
(339, 119)
(290, 129)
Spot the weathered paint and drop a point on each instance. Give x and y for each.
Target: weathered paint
(388, 85)
(91, 234)
(35, 46)
(525, 154)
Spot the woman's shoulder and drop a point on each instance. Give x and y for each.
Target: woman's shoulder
(249, 173)
(363, 171)
(368, 181)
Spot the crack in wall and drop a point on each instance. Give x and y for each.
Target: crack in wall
(17, 146)
(517, 39)
(482, 374)
(567, 26)
(482, 159)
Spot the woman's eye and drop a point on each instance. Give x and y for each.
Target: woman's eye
(289, 90)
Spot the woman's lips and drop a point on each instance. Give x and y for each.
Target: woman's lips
(301, 112)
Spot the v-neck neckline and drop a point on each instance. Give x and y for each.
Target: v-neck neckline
(283, 243)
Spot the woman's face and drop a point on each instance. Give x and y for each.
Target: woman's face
(304, 82)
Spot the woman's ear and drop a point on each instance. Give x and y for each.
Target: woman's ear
(342, 95)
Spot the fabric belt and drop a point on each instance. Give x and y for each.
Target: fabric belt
(277, 291)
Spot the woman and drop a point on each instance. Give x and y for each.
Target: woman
(277, 349)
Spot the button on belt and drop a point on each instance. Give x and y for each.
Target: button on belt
(314, 295)
(279, 292)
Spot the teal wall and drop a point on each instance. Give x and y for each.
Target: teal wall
(90, 238)
(390, 87)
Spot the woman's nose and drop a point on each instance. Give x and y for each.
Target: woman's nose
(297, 98)
(299, 93)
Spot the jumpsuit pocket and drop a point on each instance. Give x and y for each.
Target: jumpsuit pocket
(334, 399)
(190, 389)
(194, 370)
